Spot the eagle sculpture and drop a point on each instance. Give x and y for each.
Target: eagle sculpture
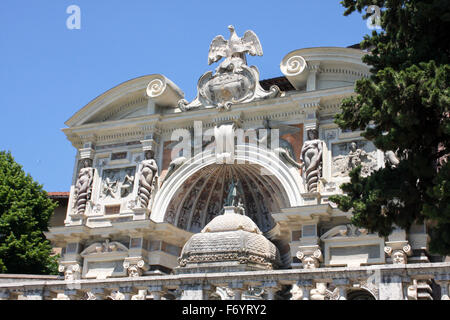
(234, 47)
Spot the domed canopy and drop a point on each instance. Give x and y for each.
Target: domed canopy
(230, 242)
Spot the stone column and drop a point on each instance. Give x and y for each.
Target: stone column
(443, 281)
(306, 286)
(342, 285)
(237, 294)
(390, 288)
(444, 290)
(4, 295)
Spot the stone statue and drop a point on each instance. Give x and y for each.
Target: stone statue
(147, 179)
(83, 186)
(234, 195)
(110, 187)
(319, 292)
(127, 185)
(355, 156)
(116, 295)
(234, 82)
(311, 157)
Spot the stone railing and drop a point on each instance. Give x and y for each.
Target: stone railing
(383, 282)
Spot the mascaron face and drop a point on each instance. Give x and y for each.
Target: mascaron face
(398, 257)
(309, 263)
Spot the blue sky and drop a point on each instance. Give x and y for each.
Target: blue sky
(48, 72)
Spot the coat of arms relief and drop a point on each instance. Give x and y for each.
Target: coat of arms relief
(233, 82)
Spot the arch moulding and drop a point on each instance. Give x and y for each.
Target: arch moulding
(289, 178)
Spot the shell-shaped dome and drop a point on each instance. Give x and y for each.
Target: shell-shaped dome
(231, 222)
(230, 239)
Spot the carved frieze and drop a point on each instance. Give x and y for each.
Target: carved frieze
(347, 156)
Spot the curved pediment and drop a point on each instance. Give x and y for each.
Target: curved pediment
(129, 99)
(332, 67)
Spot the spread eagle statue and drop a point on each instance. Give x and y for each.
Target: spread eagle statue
(235, 47)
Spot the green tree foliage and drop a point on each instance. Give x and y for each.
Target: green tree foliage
(403, 107)
(25, 211)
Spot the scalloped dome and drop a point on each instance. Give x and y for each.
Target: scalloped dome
(231, 222)
(231, 242)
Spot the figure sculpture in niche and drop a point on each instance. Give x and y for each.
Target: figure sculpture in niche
(356, 157)
(148, 179)
(312, 160)
(83, 186)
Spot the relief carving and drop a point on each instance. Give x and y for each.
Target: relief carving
(356, 156)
